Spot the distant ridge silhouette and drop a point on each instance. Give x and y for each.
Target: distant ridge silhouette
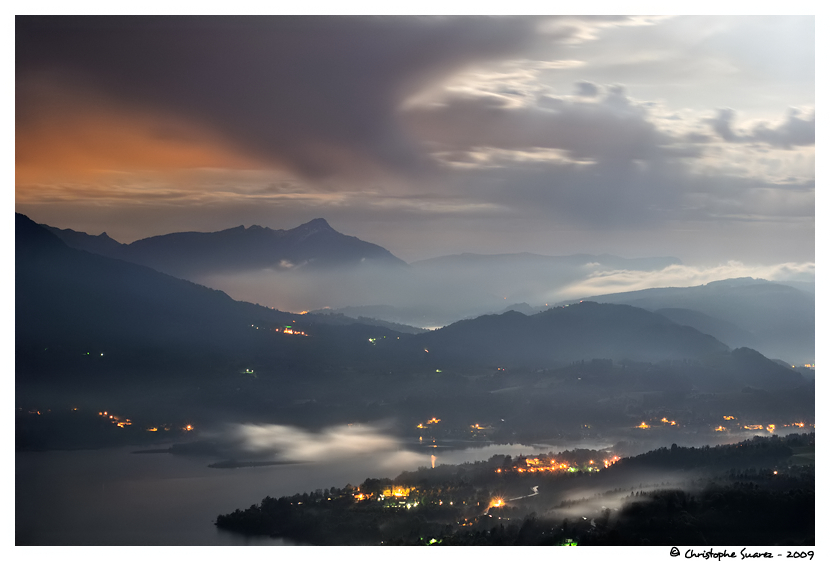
(314, 245)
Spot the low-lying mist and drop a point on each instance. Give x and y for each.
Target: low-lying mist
(589, 499)
(442, 291)
(613, 281)
(294, 444)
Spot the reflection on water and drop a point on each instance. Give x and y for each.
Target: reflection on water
(114, 497)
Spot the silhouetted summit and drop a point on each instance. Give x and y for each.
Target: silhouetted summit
(316, 224)
(64, 296)
(69, 302)
(313, 245)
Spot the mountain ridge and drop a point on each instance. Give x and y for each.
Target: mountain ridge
(583, 331)
(779, 319)
(312, 245)
(137, 319)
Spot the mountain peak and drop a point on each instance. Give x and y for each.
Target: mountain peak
(317, 224)
(257, 228)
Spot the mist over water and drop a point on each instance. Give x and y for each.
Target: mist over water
(286, 443)
(115, 497)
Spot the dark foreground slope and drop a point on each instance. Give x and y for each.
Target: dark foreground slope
(83, 317)
(102, 333)
(65, 298)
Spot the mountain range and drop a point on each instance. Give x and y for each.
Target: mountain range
(776, 319)
(314, 245)
(325, 266)
(104, 332)
(67, 295)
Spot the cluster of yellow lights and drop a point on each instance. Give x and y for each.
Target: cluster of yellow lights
(535, 465)
(611, 461)
(430, 422)
(754, 427)
(720, 429)
(728, 418)
(477, 427)
(291, 331)
(496, 502)
(644, 425)
(398, 492)
(114, 419)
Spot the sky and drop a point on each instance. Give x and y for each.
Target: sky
(691, 137)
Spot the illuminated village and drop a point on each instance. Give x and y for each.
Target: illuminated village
(499, 500)
(110, 418)
(541, 464)
(286, 330)
(116, 420)
(735, 425)
(431, 431)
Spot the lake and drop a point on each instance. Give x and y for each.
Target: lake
(115, 497)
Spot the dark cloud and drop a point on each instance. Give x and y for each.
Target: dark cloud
(314, 93)
(586, 89)
(606, 195)
(794, 131)
(722, 124)
(612, 128)
(206, 123)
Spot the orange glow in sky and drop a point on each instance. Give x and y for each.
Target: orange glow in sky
(78, 137)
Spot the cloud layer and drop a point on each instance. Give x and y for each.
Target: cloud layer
(545, 134)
